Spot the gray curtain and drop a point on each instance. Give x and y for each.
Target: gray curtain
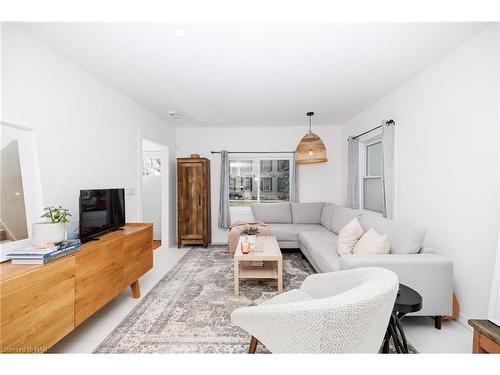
(294, 187)
(388, 168)
(353, 173)
(224, 219)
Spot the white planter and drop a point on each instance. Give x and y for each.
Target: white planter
(48, 232)
(251, 239)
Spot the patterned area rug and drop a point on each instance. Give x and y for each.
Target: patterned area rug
(188, 311)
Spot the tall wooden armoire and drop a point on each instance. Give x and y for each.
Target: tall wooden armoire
(193, 201)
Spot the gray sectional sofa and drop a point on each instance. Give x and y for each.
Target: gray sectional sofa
(313, 228)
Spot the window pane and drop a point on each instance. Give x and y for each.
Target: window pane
(372, 194)
(374, 159)
(242, 182)
(274, 181)
(151, 166)
(266, 165)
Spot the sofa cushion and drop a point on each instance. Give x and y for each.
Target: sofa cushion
(307, 213)
(272, 212)
(403, 239)
(341, 216)
(290, 232)
(327, 215)
(325, 259)
(321, 247)
(311, 239)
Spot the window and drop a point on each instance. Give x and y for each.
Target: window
(266, 165)
(151, 166)
(283, 165)
(266, 184)
(259, 178)
(283, 184)
(371, 191)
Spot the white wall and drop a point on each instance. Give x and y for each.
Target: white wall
(87, 132)
(447, 160)
(321, 182)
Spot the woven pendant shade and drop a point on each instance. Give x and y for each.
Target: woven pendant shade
(311, 149)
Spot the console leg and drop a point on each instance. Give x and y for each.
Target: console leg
(437, 322)
(134, 287)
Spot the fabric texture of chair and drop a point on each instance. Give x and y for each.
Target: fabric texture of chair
(337, 312)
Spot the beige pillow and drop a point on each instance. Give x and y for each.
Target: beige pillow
(348, 236)
(372, 243)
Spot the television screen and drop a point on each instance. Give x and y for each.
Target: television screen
(101, 211)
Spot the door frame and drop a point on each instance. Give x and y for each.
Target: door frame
(165, 191)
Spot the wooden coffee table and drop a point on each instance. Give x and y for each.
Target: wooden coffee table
(266, 249)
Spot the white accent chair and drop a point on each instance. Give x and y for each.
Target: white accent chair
(337, 312)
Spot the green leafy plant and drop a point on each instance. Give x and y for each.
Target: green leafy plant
(56, 214)
(250, 231)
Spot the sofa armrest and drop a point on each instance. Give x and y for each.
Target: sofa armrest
(429, 274)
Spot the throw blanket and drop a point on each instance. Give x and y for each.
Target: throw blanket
(236, 228)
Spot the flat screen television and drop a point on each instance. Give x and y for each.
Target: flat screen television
(101, 211)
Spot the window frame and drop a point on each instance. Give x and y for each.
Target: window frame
(257, 158)
(363, 145)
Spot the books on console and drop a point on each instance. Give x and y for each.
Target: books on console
(32, 255)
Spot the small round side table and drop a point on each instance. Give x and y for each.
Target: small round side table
(407, 301)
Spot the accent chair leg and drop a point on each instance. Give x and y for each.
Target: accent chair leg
(437, 322)
(253, 345)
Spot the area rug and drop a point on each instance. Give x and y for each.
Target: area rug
(188, 310)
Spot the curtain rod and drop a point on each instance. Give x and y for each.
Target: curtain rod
(375, 128)
(255, 152)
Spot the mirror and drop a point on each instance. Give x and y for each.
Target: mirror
(21, 200)
(13, 224)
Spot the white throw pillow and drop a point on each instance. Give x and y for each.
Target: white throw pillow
(372, 243)
(348, 236)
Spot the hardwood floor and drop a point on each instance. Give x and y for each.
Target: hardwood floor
(156, 244)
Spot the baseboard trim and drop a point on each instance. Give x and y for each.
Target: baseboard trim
(463, 320)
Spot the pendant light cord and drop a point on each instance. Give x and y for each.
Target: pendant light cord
(310, 114)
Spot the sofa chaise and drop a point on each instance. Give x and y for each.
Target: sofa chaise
(313, 228)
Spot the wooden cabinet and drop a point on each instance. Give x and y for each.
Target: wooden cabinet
(193, 201)
(39, 305)
(99, 271)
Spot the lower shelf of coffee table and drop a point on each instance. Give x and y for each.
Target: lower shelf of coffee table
(268, 271)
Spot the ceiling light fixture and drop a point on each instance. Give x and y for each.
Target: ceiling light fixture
(311, 149)
(174, 114)
(179, 33)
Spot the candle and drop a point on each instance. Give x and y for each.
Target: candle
(245, 247)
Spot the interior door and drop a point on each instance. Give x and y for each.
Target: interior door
(190, 201)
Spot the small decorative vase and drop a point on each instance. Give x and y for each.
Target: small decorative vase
(245, 247)
(252, 239)
(47, 232)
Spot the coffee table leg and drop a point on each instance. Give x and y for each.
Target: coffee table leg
(280, 275)
(236, 278)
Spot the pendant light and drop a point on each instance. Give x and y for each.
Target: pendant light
(311, 149)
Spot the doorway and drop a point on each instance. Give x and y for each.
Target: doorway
(154, 187)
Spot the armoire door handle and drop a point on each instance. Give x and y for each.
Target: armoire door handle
(199, 200)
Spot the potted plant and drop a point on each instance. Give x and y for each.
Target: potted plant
(250, 232)
(54, 229)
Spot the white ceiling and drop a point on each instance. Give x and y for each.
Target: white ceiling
(223, 74)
